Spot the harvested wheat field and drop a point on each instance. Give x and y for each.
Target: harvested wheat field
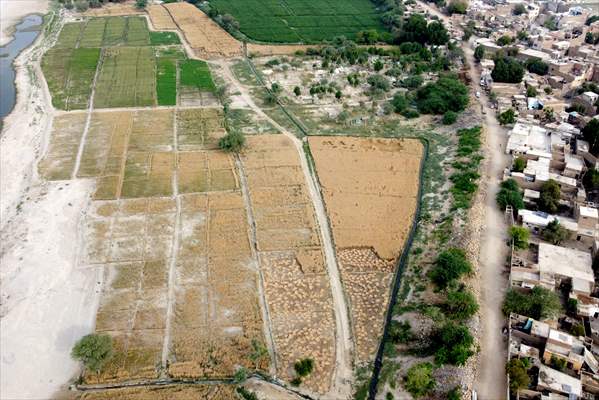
(291, 260)
(274, 49)
(114, 9)
(59, 160)
(161, 19)
(172, 392)
(204, 36)
(370, 189)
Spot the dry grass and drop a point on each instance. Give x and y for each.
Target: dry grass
(370, 188)
(59, 161)
(174, 392)
(161, 19)
(114, 9)
(206, 38)
(199, 129)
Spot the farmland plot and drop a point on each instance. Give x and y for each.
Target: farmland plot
(174, 392)
(59, 161)
(69, 73)
(127, 78)
(301, 20)
(160, 18)
(196, 86)
(115, 31)
(69, 35)
(137, 32)
(205, 37)
(370, 189)
(199, 129)
(295, 278)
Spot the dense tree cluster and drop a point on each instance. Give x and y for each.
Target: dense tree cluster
(510, 195)
(591, 134)
(450, 266)
(539, 303)
(448, 93)
(537, 66)
(508, 70)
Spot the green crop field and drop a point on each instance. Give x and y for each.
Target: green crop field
(300, 20)
(164, 38)
(116, 29)
(69, 73)
(166, 81)
(195, 73)
(127, 78)
(93, 33)
(137, 32)
(69, 35)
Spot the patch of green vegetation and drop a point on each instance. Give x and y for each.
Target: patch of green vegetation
(137, 32)
(93, 33)
(195, 73)
(164, 38)
(166, 81)
(69, 35)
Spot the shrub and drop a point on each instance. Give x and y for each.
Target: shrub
(419, 381)
(479, 52)
(519, 379)
(297, 91)
(550, 195)
(457, 7)
(378, 83)
(461, 304)
(519, 236)
(246, 394)
(550, 23)
(232, 142)
(504, 40)
(240, 375)
(81, 5)
(141, 4)
(555, 233)
(446, 94)
(507, 117)
(531, 91)
(590, 133)
(378, 65)
(412, 82)
(557, 363)
(453, 344)
(399, 102)
(410, 113)
(519, 9)
(510, 194)
(93, 350)
(450, 266)
(519, 164)
(400, 332)
(507, 70)
(540, 303)
(591, 19)
(450, 117)
(577, 330)
(537, 67)
(304, 367)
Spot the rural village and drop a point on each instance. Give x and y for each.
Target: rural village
(301, 199)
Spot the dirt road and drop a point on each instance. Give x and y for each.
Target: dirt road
(490, 382)
(343, 376)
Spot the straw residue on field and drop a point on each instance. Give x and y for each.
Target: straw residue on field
(370, 188)
(172, 392)
(59, 160)
(295, 279)
(205, 37)
(114, 9)
(160, 18)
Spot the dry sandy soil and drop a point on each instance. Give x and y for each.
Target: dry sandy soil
(114, 9)
(12, 11)
(370, 188)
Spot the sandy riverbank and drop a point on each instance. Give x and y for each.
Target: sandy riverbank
(46, 301)
(12, 11)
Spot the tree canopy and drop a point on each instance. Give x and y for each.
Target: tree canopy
(446, 94)
(517, 371)
(590, 133)
(508, 70)
(555, 233)
(451, 264)
(233, 142)
(419, 380)
(453, 344)
(510, 195)
(538, 67)
(461, 304)
(550, 195)
(479, 52)
(539, 304)
(519, 236)
(507, 117)
(93, 350)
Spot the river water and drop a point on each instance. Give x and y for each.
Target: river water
(25, 34)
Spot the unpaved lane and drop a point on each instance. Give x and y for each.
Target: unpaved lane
(343, 376)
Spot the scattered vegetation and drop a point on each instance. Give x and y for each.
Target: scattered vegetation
(233, 142)
(419, 381)
(517, 370)
(93, 350)
(519, 236)
(555, 233)
(451, 265)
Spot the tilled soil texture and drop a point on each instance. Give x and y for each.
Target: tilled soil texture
(173, 392)
(291, 259)
(370, 188)
(206, 38)
(160, 18)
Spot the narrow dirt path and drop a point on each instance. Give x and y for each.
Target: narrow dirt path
(343, 376)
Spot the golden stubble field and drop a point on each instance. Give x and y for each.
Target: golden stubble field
(370, 189)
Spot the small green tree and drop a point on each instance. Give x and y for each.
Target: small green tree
(276, 88)
(297, 91)
(540, 303)
(141, 4)
(378, 65)
(479, 53)
(517, 371)
(451, 264)
(419, 380)
(519, 164)
(557, 363)
(577, 329)
(400, 332)
(304, 367)
(240, 375)
(531, 91)
(549, 198)
(554, 232)
(259, 353)
(450, 117)
(461, 304)
(519, 236)
(399, 102)
(81, 5)
(93, 350)
(453, 344)
(519, 9)
(507, 117)
(338, 94)
(510, 195)
(232, 142)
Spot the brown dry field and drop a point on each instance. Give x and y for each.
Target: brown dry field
(59, 160)
(161, 19)
(276, 49)
(291, 259)
(172, 392)
(114, 9)
(204, 36)
(370, 189)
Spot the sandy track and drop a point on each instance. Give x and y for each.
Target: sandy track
(343, 376)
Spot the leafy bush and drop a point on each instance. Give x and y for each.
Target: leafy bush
(540, 303)
(412, 82)
(519, 9)
(550, 195)
(538, 67)
(510, 194)
(507, 117)
(517, 371)
(508, 70)
(519, 236)
(232, 142)
(577, 329)
(450, 265)
(141, 4)
(399, 102)
(590, 133)
(479, 52)
(531, 91)
(446, 94)
(591, 19)
(519, 164)
(453, 344)
(400, 332)
(419, 381)
(378, 84)
(93, 350)
(555, 233)
(504, 40)
(457, 7)
(410, 113)
(450, 117)
(81, 5)
(304, 367)
(246, 394)
(461, 304)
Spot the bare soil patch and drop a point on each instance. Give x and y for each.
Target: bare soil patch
(161, 19)
(370, 189)
(114, 9)
(173, 392)
(204, 36)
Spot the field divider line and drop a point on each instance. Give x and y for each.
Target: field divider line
(90, 110)
(175, 248)
(270, 342)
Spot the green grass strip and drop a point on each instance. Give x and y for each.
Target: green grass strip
(166, 82)
(164, 38)
(195, 73)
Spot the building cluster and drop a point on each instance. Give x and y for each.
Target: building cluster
(555, 166)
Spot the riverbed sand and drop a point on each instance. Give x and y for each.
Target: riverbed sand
(12, 11)
(46, 301)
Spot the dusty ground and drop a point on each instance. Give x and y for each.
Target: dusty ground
(174, 392)
(12, 11)
(114, 9)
